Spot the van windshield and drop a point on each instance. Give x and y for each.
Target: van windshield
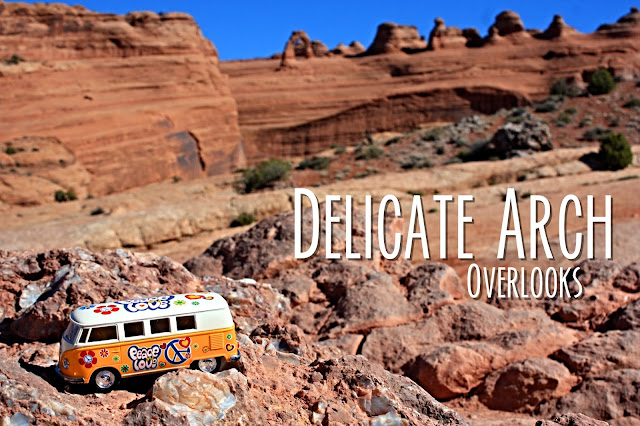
(71, 333)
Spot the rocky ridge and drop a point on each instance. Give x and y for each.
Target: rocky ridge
(143, 90)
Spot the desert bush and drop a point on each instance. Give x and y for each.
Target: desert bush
(243, 219)
(634, 102)
(571, 110)
(61, 196)
(415, 161)
(9, 150)
(550, 104)
(595, 134)
(516, 115)
(615, 152)
(564, 88)
(440, 150)
(370, 152)
(263, 175)
(15, 59)
(432, 134)
(340, 149)
(564, 118)
(315, 163)
(601, 82)
(97, 211)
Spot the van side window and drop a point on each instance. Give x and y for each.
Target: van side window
(133, 329)
(99, 334)
(83, 336)
(160, 325)
(186, 323)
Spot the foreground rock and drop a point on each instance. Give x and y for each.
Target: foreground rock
(40, 289)
(286, 388)
(522, 386)
(614, 395)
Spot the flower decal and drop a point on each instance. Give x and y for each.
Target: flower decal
(124, 368)
(162, 364)
(179, 302)
(196, 346)
(229, 337)
(104, 353)
(195, 302)
(88, 359)
(205, 349)
(116, 358)
(106, 309)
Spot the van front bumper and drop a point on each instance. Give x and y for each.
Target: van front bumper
(67, 379)
(235, 357)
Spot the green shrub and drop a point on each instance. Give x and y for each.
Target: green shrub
(243, 219)
(550, 104)
(597, 133)
(263, 175)
(432, 134)
(440, 150)
(61, 196)
(615, 152)
(339, 150)
(634, 102)
(176, 179)
(315, 163)
(9, 150)
(571, 110)
(15, 59)
(370, 152)
(415, 161)
(420, 193)
(563, 88)
(564, 118)
(601, 82)
(97, 211)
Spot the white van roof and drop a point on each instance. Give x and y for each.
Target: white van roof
(147, 308)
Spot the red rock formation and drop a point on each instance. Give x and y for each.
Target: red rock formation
(508, 22)
(442, 36)
(354, 48)
(136, 98)
(393, 38)
(557, 28)
(627, 26)
(292, 48)
(339, 100)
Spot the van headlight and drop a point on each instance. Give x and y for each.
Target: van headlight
(65, 363)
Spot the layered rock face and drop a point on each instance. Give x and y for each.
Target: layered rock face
(135, 99)
(399, 84)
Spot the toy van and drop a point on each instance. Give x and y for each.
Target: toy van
(108, 341)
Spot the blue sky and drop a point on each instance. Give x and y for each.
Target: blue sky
(260, 28)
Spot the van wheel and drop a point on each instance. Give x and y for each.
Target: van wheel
(105, 379)
(209, 365)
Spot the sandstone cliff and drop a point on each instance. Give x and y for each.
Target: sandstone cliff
(398, 83)
(136, 99)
